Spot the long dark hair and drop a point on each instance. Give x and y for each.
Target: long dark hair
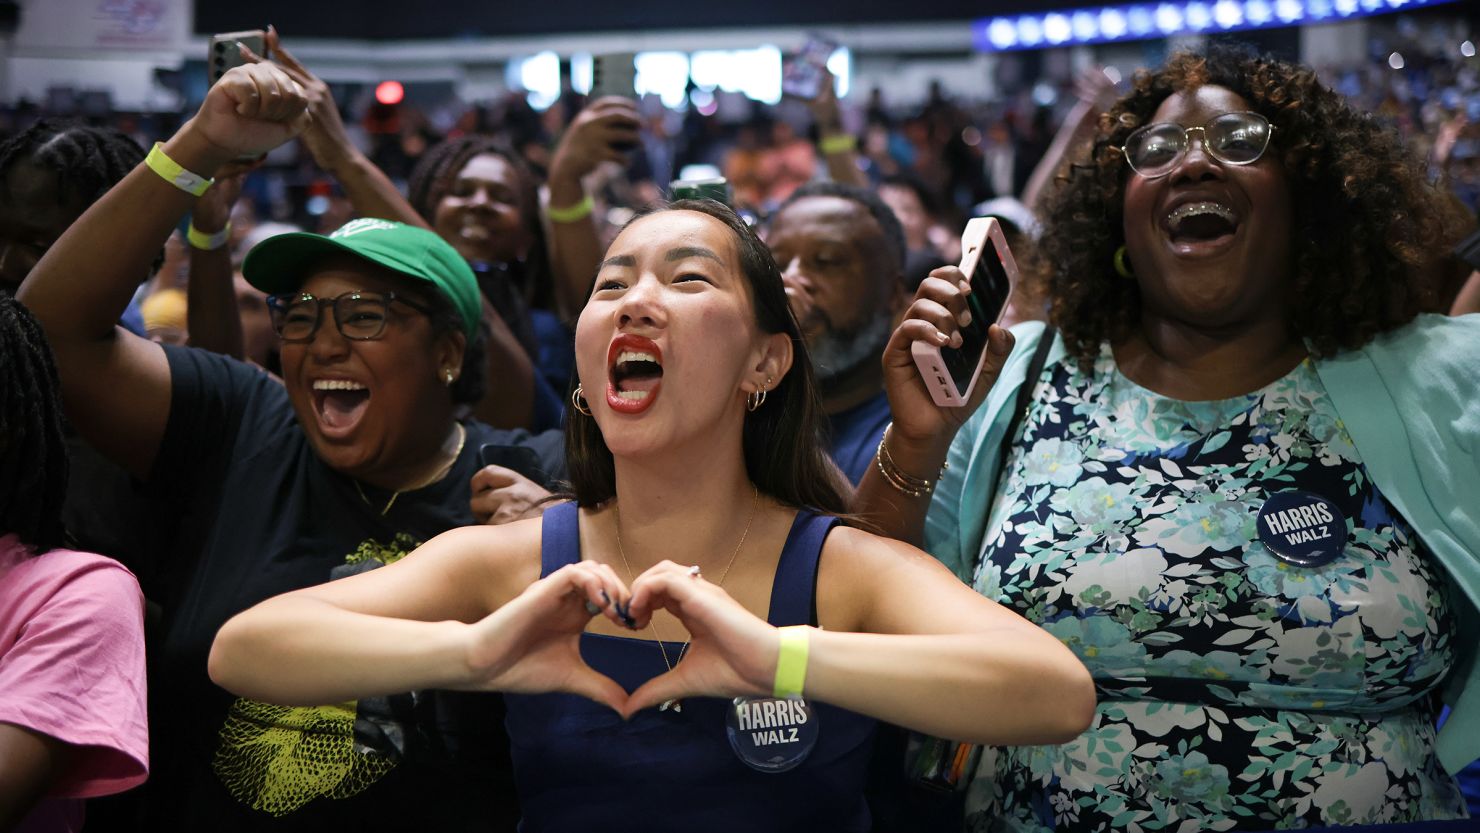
(781, 440)
(33, 451)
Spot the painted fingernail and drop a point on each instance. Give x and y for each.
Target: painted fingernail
(964, 318)
(942, 337)
(606, 597)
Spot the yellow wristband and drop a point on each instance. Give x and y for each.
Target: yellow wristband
(208, 242)
(838, 143)
(791, 663)
(572, 213)
(170, 170)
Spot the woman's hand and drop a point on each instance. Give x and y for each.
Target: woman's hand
(502, 495)
(731, 651)
(935, 317)
(213, 209)
(251, 110)
(532, 644)
(326, 138)
(605, 131)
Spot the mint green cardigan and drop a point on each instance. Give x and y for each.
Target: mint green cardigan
(1410, 401)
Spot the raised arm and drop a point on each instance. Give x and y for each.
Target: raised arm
(116, 386)
(369, 190)
(605, 131)
(1095, 92)
(839, 147)
(211, 315)
(467, 610)
(922, 431)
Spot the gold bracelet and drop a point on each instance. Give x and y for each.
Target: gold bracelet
(903, 483)
(838, 143)
(571, 213)
(170, 170)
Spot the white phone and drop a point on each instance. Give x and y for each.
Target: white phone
(222, 54)
(950, 373)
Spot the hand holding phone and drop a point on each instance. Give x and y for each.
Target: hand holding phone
(804, 71)
(222, 52)
(950, 373)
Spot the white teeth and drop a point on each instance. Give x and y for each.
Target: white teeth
(1192, 209)
(337, 384)
(633, 395)
(634, 356)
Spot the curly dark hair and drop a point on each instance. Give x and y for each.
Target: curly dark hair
(1370, 232)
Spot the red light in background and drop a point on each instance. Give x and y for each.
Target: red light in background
(389, 92)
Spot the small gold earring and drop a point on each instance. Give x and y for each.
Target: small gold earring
(447, 374)
(755, 400)
(578, 401)
(1122, 268)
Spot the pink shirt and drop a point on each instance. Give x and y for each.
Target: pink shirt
(72, 667)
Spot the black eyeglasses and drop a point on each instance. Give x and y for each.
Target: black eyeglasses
(360, 316)
(1232, 138)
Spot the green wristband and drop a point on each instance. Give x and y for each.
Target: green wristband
(791, 663)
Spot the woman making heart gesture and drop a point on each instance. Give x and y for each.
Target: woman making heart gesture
(658, 634)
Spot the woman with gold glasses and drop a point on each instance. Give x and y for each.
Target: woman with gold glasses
(1242, 487)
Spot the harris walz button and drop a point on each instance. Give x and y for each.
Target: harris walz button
(1302, 528)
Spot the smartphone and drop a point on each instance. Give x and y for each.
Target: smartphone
(951, 372)
(614, 73)
(802, 71)
(222, 54)
(521, 459)
(716, 188)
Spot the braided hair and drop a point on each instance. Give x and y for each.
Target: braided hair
(33, 452)
(86, 160)
(438, 169)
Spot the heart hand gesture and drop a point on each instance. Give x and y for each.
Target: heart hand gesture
(731, 651)
(532, 644)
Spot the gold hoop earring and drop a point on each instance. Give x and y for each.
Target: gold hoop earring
(754, 401)
(1122, 268)
(578, 401)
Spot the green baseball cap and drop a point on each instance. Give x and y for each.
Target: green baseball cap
(279, 264)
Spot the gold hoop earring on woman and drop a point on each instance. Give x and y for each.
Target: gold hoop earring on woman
(754, 400)
(578, 401)
(1123, 268)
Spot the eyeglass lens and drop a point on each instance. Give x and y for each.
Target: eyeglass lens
(1232, 138)
(357, 316)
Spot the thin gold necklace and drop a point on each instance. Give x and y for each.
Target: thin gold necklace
(755, 496)
(462, 437)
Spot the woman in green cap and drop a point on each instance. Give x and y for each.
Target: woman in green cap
(349, 464)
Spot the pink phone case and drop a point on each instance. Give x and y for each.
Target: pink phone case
(980, 232)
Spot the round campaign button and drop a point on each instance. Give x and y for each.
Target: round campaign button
(770, 734)
(1302, 528)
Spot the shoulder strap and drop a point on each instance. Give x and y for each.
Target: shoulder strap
(560, 537)
(793, 590)
(1024, 397)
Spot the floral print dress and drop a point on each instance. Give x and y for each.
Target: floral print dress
(1237, 692)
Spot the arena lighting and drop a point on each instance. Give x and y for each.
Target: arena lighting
(389, 92)
(1139, 21)
(1467, 49)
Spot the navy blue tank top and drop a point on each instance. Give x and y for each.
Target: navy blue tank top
(578, 766)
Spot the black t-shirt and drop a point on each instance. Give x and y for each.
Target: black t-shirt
(259, 514)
